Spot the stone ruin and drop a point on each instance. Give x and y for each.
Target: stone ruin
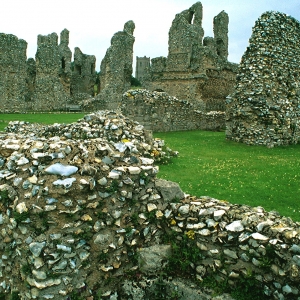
(84, 75)
(264, 108)
(52, 68)
(13, 71)
(141, 67)
(116, 68)
(49, 82)
(82, 209)
(159, 112)
(195, 66)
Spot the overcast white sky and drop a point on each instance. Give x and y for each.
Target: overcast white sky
(92, 23)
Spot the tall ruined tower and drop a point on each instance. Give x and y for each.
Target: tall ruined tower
(49, 91)
(142, 64)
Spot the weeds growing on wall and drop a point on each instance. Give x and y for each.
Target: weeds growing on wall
(244, 288)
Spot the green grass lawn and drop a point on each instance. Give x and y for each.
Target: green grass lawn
(44, 118)
(210, 165)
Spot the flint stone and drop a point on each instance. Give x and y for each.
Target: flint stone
(184, 209)
(218, 214)
(102, 239)
(150, 259)
(60, 169)
(36, 248)
(169, 190)
(258, 236)
(296, 259)
(134, 170)
(39, 274)
(230, 253)
(67, 183)
(295, 249)
(287, 289)
(235, 226)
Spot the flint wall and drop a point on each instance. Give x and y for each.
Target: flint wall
(160, 112)
(264, 108)
(12, 72)
(80, 202)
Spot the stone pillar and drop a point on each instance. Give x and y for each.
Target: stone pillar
(221, 22)
(116, 68)
(65, 59)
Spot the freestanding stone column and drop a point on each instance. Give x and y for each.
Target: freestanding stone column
(65, 58)
(221, 22)
(116, 68)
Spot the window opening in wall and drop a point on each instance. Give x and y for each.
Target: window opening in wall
(78, 69)
(63, 63)
(140, 63)
(92, 68)
(191, 17)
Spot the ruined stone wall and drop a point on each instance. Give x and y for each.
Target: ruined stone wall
(185, 33)
(141, 67)
(49, 91)
(264, 108)
(196, 69)
(116, 67)
(159, 112)
(84, 74)
(205, 92)
(12, 73)
(80, 210)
